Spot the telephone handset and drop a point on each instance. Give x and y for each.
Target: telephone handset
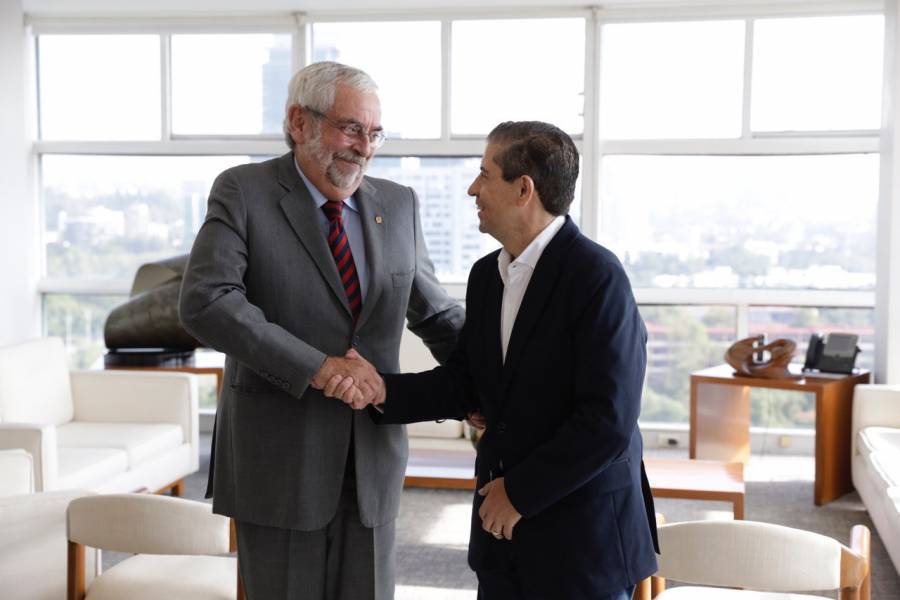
(834, 353)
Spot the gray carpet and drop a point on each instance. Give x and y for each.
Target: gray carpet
(433, 529)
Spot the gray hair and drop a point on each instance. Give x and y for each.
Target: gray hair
(315, 86)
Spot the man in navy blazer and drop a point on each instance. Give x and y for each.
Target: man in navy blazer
(553, 354)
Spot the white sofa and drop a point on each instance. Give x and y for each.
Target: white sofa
(33, 534)
(875, 459)
(415, 357)
(105, 431)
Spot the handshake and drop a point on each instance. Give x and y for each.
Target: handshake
(351, 379)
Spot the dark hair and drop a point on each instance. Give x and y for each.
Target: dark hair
(545, 153)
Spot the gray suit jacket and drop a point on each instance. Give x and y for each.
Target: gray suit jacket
(262, 287)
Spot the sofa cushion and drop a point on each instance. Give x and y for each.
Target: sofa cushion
(140, 440)
(86, 468)
(873, 439)
(886, 465)
(438, 429)
(709, 593)
(147, 576)
(34, 383)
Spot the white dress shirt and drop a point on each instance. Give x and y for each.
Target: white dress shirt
(352, 221)
(516, 274)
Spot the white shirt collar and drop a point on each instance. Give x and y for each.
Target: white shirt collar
(532, 253)
(317, 196)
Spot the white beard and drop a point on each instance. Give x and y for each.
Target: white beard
(333, 172)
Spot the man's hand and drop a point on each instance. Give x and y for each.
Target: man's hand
(476, 419)
(351, 379)
(498, 516)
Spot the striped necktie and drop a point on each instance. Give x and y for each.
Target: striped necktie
(343, 258)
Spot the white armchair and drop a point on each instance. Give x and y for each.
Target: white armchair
(770, 562)
(106, 431)
(180, 548)
(875, 459)
(32, 533)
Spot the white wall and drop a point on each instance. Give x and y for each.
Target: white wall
(19, 266)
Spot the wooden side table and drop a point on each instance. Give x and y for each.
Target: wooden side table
(720, 421)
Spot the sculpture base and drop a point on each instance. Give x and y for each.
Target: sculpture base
(148, 357)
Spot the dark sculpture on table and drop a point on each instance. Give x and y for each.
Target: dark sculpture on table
(748, 357)
(146, 329)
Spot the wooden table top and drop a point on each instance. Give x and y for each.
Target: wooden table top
(681, 474)
(809, 382)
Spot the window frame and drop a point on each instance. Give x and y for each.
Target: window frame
(591, 144)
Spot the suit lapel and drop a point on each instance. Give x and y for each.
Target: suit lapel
(370, 206)
(303, 215)
(540, 288)
(493, 298)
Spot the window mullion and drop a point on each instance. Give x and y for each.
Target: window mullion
(748, 79)
(165, 71)
(446, 78)
(590, 189)
(301, 52)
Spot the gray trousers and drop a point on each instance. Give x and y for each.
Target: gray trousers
(342, 561)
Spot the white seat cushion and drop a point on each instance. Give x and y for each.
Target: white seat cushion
(148, 576)
(85, 468)
(874, 439)
(886, 464)
(140, 440)
(710, 593)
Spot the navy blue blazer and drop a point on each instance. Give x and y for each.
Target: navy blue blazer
(561, 417)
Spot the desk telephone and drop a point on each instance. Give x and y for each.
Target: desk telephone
(834, 353)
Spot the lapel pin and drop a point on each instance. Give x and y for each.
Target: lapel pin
(379, 219)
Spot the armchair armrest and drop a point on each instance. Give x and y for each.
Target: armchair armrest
(137, 397)
(874, 405)
(16, 472)
(39, 440)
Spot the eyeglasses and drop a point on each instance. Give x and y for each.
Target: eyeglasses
(352, 129)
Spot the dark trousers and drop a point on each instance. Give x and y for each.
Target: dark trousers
(342, 561)
(505, 585)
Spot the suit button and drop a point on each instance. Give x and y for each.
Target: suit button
(356, 341)
(501, 427)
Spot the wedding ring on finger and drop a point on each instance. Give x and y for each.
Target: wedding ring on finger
(497, 534)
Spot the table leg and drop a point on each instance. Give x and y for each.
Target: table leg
(720, 422)
(834, 406)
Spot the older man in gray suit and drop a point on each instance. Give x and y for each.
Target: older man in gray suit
(300, 259)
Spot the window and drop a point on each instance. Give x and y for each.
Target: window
(681, 339)
(408, 111)
(776, 222)
(725, 176)
(495, 65)
(106, 215)
(720, 153)
(204, 101)
(449, 217)
(817, 73)
(671, 80)
(99, 87)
